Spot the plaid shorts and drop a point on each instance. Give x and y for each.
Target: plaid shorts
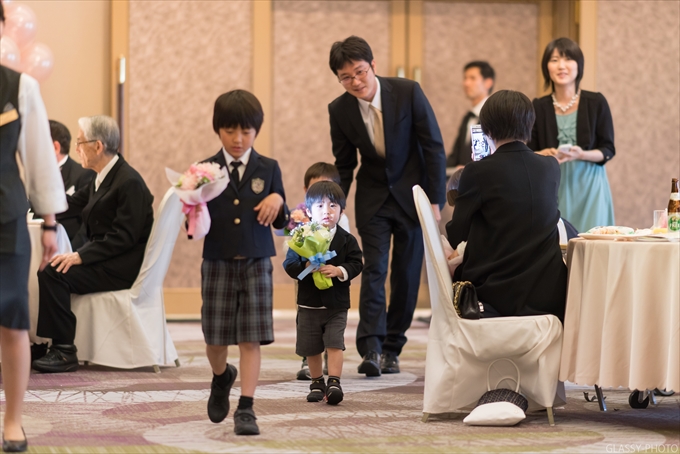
(237, 301)
(319, 329)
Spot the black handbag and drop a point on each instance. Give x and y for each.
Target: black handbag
(465, 300)
(502, 394)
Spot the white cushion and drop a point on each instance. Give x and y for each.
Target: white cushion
(495, 414)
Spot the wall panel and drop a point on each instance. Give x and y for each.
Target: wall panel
(638, 71)
(304, 84)
(182, 56)
(504, 34)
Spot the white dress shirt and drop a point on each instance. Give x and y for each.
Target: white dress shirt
(474, 121)
(243, 160)
(365, 109)
(44, 186)
(105, 171)
(63, 161)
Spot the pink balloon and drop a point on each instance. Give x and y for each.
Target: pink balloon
(37, 61)
(9, 53)
(21, 24)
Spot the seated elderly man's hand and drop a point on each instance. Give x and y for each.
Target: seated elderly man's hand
(65, 261)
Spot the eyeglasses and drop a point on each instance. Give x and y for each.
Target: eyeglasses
(84, 141)
(347, 80)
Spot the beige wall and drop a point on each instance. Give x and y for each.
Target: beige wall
(457, 33)
(78, 33)
(638, 71)
(183, 55)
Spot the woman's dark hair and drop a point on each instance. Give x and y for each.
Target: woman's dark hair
(237, 108)
(485, 70)
(322, 170)
(507, 114)
(566, 48)
(2, 12)
(61, 134)
(325, 189)
(349, 50)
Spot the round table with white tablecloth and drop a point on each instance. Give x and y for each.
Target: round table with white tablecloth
(622, 321)
(63, 246)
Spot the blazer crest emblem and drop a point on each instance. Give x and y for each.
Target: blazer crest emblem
(257, 185)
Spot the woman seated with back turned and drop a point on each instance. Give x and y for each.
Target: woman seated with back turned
(507, 212)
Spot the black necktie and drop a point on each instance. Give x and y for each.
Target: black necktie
(235, 177)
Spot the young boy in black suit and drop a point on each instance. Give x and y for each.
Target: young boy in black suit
(236, 272)
(322, 314)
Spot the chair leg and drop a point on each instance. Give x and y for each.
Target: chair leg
(177, 362)
(551, 416)
(156, 369)
(600, 398)
(425, 417)
(86, 363)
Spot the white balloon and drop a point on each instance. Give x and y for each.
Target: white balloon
(9, 53)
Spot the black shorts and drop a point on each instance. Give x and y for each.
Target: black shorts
(319, 329)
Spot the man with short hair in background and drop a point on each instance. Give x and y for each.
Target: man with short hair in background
(478, 80)
(73, 174)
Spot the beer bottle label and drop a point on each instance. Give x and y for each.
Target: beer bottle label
(673, 222)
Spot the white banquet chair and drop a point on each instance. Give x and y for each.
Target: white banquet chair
(459, 351)
(126, 329)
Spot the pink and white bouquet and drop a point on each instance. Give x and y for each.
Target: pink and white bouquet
(312, 241)
(201, 183)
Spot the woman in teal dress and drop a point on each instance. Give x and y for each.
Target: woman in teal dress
(575, 127)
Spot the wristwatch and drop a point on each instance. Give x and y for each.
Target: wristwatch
(52, 228)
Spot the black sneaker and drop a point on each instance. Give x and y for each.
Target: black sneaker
(59, 358)
(38, 351)
(370, 365)
(303, 373)
(244, 422)
(317, 391)
(389, 363)
(218, 402)
(334, 394)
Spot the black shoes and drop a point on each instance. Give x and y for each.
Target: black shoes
(317, 390)
(389, 363)
(59, 358)
(38, 351)
(370, 365)
(303, 373)
(14, 445)
(244, 422)
(218, 402)
(334, 393)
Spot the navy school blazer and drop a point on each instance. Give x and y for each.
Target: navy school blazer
(234, 230)
(337, 297)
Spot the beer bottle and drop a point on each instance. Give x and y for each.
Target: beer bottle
(674, 208)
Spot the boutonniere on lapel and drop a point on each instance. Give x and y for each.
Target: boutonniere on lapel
(257, 185)
(195, 188)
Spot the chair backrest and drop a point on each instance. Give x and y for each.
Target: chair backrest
(160, 245)
(439, 279)
(564, 239)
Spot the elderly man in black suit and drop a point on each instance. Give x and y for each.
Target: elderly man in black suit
(108, 252)
(390, 121)
(74, 175)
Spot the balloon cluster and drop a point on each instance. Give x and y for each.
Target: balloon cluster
(18, 49)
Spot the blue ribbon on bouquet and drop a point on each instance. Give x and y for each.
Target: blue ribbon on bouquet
(316, 261)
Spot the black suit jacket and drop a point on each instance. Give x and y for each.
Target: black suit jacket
(594, 125)
(75, 177)
(507, 212)
(337, 297)
(117, 221)
(234, 230)
(462, 149)
(413, 143)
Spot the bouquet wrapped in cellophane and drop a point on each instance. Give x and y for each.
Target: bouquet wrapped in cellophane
(311, 241)
(201, 183)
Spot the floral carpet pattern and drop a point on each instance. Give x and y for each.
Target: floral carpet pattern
(104, 410)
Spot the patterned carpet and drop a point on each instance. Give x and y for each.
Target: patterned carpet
(102, 410)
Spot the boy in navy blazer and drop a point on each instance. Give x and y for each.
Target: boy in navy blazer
(236, 274)
(322, 314)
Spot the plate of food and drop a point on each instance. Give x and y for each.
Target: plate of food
(611, 232)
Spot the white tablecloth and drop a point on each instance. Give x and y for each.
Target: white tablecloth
(622, 322)
(63, 246)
